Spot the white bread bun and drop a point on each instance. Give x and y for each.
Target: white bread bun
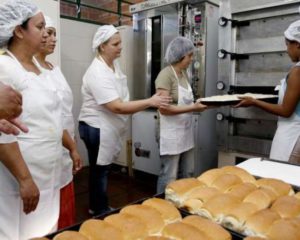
(216, 207)
(175, 191)
(241, 190)
(283, 229)
(132, 227)
(210, 175)
(209, 228)
(226, 181)
(287, 207)
(167, 210)
(40, 238)
(196, 197)
(149, 215)
(258, 223)
(236, 217)
(280, 187)
(183, 231)
(202, 193)
(241, 173)
(259, 198)
(99, 230)
(70, 235)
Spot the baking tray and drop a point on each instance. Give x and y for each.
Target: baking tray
(234, 102)
(184, 213)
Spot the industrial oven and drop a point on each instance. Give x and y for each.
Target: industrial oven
(251, 58)
(155, 24)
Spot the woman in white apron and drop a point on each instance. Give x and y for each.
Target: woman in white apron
(70, 162)
(176, 124)
(28, 210)
(104, 112)
(288, 107)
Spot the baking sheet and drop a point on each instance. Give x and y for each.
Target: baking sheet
(233, 99)
(268, 168)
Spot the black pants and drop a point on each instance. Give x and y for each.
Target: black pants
(98, 199)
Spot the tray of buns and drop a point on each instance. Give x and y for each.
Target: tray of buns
(232, 99)
(233, 198)
(147, 219)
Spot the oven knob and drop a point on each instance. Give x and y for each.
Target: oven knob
(196, 64)
(220, 85)
(220, 116)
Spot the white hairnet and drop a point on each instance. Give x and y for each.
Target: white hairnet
(12, 14)
(49, 22)
(293, 32)
(103, 33)
(178, 48)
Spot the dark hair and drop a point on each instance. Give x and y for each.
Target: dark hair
(291, 41)
(25, 24)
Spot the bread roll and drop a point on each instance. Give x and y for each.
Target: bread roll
(209, 176)
(70, 235)
(236, 217)
(41, 238)
(175, 191)
(241, 190)
(149, 215)
(283, 229)
(287, 206)
(167, 210)
(209, 228)
(259, 198)
(216, 207)
(280, 187)
(183, 231)
(226, 181)
(241, 173)
(99, 230)
(196, 197)
(258, 223)
(132, 227)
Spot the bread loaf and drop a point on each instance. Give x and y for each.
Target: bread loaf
(241, 173)
(280, 187)
(210, 175)
(70, 235)
(182, 231)
(241, 190)
(287, 207)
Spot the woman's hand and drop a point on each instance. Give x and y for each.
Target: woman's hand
(77, 162)
(30, 195)
(246, 102)
(12, 126)
(158, 100)
(199, 107)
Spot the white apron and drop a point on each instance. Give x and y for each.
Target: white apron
(66, 98)
(176, 132)
(288, 130)
(41, 149)
(113, 126)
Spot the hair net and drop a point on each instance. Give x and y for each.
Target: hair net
(103, 34)
(49, 22)
(293, 32)
(178, 48)
(12, 14)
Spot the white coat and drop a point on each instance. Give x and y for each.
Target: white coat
(41, 149)
(102, 85)
(176, 131)
(288, 130)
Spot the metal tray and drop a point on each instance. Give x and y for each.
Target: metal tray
(184, 213)
(234, 102)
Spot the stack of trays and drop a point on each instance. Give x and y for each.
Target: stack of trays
(233, 198)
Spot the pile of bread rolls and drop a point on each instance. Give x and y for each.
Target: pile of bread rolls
(232, 197)
(155, 218)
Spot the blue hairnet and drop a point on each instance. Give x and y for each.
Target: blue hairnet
(12, 14)
(178, 48)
